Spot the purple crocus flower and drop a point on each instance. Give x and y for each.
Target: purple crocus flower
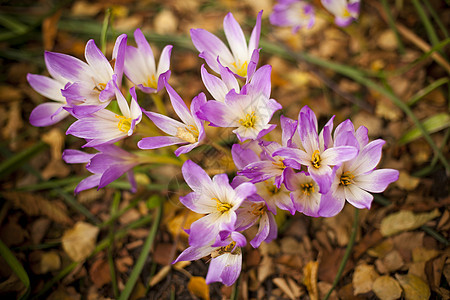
(190, 131)
(91, 84)
(215, 198)
(48, 113)
(140, 65)
(274, 197)
(304, 193)
(106, 127)
(292, 13)
(242, 59)
(107, 165)
(354, 179)
(316, 155)
(226, 258)
(250, 111)
(344, 11)
(249, 213)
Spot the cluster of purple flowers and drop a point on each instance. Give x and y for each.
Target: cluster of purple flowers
(310, 172)
(299, 13)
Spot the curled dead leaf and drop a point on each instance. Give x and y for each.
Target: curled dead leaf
(198, 287)
(310, 279)
(363, 279)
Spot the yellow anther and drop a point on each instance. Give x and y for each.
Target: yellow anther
(307, 188)
(230, 248)
(346, 178)
(271, 188)
(124, 124)
(100, 87)
(240, 69)
(279, 163)
(248, 121)
(258, 209)
(189, 133)
(315, 159)
(221, 206)
(346, 13)
(151, 82)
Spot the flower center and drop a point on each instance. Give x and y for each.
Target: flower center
(124, 124)
(307, 188)
(240, 69)
(346, 178)
(100, 87)
(346, 13)
(315, 159)
(279, 163)
(189, 133)
(271, 189)
(151, 82)
(230, 248)
(249, 120)
(222, 207)
(258, 209)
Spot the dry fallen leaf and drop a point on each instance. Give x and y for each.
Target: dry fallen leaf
(387, 288)
(99, 273)
(197, 286)
(284, 286)
(407, 182)
(56, 167)
(405, 220)
(423, 254)
(50, 261)
(363, 279)
(79, 241)
(391, 262)
(310, 279)
(415, 288)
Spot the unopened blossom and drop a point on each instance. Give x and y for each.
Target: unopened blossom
(140, 66)
(190, 131)
(107, 165)
(242, 59)
(250, 111)
(344, 11)
(91, 86)
(226, 258)
(106, 127)
(220, 87)
(292, 13)
(316, 155)
(215, 198)
(356, 179)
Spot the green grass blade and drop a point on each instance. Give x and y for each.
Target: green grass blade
(15, 265)
(105, 29)
(142, 257)
(387, 9)
(13, 24)
(426, 90)
(431, 125)
(51, 184)
(13, 163)
(432, 35)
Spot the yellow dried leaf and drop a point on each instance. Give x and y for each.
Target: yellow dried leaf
(423, 255)
(415, 288)
(198, 287)
(387, 288)
(363, 279)
(407, 182)
(56, 167)
(310, 279)
(381, 249)
(405, 220)
(50, 261)
(79, 241)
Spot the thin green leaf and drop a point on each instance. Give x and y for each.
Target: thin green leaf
(436, 18)
(13, 24)
(431, 125)
(387, 9)
(142, 257)
(51, 184)
(15, 265)
(432, 35)
(104, 31)
(20, 158)
(426, 90)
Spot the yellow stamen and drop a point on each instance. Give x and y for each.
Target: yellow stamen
(124, 124)
(258, 209)
(315, 159)
(307, 188)
(222, 206)
(151, 82)
(240, 69)
(248, 121)
(346, 13)
(100, 87)
(189, 133)
(279, 163)
(346, 178)
(227, 249)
